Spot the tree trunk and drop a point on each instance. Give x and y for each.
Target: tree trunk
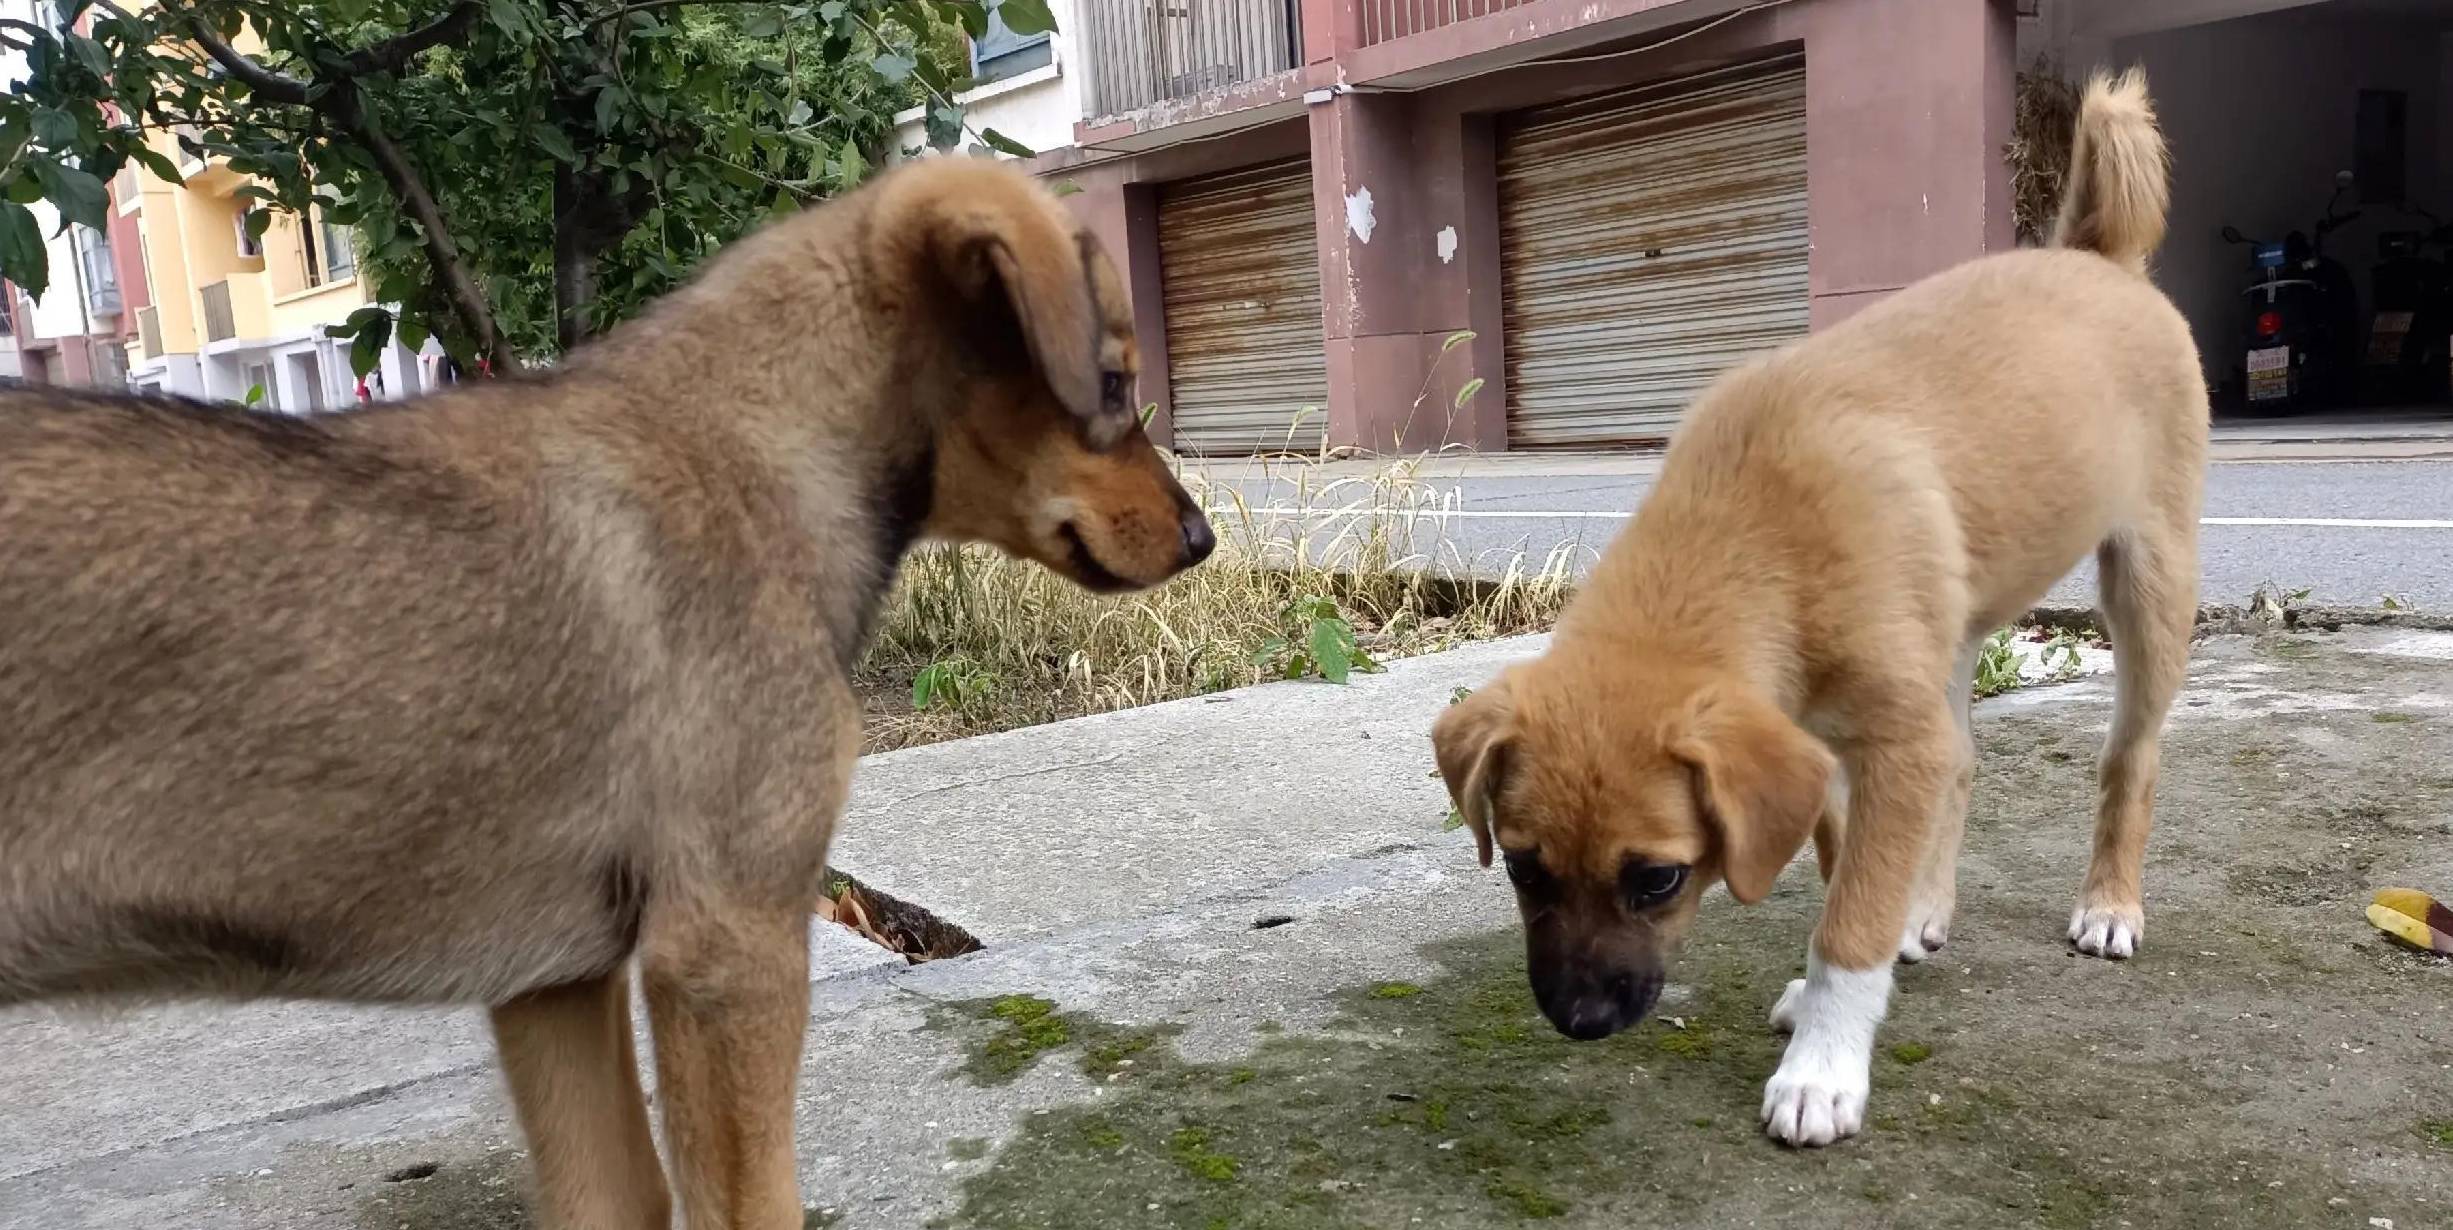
(574, 256)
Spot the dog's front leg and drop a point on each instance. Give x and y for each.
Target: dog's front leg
(728, 1000)
(574, 1079)
(1818, 1093)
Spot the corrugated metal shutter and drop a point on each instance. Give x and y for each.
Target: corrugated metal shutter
(1241, 269)
(1648, 240)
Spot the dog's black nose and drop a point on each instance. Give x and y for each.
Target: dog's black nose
(1199, 541)
(1590, 1020)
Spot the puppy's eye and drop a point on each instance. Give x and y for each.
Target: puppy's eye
(1649, 884)
(1111, 386)
(1524, 867)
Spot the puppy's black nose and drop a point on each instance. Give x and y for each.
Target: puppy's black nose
(1590, 1020)
(1199, 541)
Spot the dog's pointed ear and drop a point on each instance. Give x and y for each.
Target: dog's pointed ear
(1473, 740)
(1761, 783)
(1000, 233)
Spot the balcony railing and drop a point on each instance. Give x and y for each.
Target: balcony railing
(1387, 19)
(1140, 52)
(219, 324)
(149, 331)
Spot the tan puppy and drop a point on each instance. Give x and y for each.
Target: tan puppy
(477, 699)
(1835, 530)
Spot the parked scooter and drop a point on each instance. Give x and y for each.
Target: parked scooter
(2411, 327)
(2302, 318)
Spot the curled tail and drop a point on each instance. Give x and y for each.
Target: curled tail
(2119, 186)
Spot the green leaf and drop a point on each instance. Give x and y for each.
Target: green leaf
(55, 128)
(1065, 188)
(23, 258)
(412, 333)
(367, 352)
(258, 222)
(800, 114)
(974, 18)
(552, 141)
(1329, 649)
(254, 397)
(944, 126)
(1027, 17)
(608, 109)
(153, 161)
(831, 12)
(78, 196)
(895, 67)
(763, 24)
(25, 189)
(850, 167)
(1006, 145)
(90, 54)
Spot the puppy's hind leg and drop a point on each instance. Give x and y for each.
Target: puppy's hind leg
(2149, 598)
(1936, 894)
(574, 1079)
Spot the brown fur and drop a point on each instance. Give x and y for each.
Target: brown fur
(477, 699)
(1834, 531)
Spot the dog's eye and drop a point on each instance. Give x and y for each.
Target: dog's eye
(1524, 867)
(1111, 386)
(1649, 884)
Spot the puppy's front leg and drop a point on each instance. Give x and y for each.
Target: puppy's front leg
(1818, 1094)
(728, 1000)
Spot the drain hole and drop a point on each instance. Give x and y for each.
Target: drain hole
(1273, 920)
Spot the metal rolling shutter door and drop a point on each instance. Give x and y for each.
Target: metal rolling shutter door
(1648, 241)
(1240, 267)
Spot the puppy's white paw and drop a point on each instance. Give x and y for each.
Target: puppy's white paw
(1815, 1098)
(1784, 1013)
(2108, 931)
(1927, 931)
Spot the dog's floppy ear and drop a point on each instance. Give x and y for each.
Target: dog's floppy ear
(1472, 740)
(996, 235)
(1760, 782)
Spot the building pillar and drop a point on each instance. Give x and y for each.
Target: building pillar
(1908, 107)
(1386, 195)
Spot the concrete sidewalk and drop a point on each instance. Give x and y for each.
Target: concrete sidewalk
(1239, 976)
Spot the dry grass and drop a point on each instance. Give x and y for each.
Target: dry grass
(2044, 118)
(1000, 644)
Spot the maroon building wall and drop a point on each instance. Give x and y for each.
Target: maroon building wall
(1908, 109)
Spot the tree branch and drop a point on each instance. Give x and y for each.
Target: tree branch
(272, 86)
(393, 54)
(348, 110)
(649, 6)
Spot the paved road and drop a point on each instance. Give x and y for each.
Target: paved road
(2351, 530)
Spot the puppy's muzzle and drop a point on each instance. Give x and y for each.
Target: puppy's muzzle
(1199, 539)
(1590, 1004)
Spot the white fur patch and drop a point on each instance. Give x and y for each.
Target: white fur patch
(1818, 1094)
(2106, 933)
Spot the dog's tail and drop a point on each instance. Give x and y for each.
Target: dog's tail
(2119, 186)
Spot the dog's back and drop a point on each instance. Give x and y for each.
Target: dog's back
(214, 621)
(2054, 394)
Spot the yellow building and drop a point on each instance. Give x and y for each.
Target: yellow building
(230, 312)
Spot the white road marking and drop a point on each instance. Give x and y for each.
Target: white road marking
(1494, 514)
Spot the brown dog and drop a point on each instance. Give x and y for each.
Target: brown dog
(1834, 532)
(476, 699)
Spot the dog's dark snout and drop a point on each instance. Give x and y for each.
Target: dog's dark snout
(1199, 539)
(1591, 1008)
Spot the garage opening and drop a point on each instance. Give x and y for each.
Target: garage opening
(2312, 192)
(1648, 240)
(1239, 264)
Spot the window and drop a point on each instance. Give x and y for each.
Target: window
(1001, 53)
(250, 246)
(340, 251)
(327, 252)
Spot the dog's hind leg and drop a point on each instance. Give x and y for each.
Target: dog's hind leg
(2149, 598)
(574, 1079)
(728, 996)
(1936, 894)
